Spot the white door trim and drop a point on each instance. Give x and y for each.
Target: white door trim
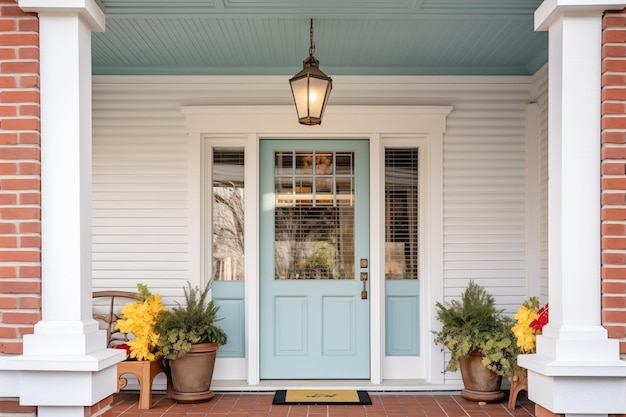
(364, 122)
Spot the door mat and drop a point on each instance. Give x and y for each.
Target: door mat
(321, 397)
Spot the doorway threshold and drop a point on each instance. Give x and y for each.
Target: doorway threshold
(393, 385)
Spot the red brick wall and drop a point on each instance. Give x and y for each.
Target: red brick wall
(101, 409)
(20, 162)
(11, 407)
(614, 175)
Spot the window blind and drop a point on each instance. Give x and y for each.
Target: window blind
(401, 213)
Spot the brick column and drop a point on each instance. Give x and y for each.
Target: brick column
(20, 166)
(614, 175)
(20, 191)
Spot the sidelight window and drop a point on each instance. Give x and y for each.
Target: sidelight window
(228, 213)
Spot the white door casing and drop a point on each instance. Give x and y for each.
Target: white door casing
(422, 126)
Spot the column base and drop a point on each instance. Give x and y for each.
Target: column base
(574, 386)
(55, 380)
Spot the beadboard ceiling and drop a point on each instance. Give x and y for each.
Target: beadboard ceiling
(352, 37)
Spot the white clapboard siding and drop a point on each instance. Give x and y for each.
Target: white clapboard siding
(485, 194)
(143, 197)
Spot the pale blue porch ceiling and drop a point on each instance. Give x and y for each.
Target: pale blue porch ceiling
(352, 37)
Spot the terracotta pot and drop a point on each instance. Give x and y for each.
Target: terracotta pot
(192, 374)
(481, 384)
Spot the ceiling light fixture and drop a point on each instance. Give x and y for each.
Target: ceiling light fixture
(311, 89)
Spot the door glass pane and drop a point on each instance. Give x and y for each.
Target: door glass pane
(228, 213)
(401, 213)
(314, 217)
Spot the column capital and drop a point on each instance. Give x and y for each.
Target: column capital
(550, 10)
(86, 9)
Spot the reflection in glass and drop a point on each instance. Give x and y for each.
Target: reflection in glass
(401, 213)
(228, 213)
(314, 217)
(284, 163)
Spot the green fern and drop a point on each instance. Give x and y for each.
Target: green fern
(183, 326)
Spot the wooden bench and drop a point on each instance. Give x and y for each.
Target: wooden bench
(145, 371)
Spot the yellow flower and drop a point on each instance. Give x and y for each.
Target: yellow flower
(526, 339)
(139, 319)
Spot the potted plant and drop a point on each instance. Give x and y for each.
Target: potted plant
(189, 339)
(480, 341)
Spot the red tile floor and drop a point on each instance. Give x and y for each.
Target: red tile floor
(383, 405)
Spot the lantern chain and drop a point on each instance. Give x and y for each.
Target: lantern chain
(312, 47)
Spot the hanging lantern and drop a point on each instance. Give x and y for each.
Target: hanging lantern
(311, 89)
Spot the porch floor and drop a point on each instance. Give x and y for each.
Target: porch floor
(259, 404)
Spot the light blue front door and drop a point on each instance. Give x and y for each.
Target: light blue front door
(314, 240)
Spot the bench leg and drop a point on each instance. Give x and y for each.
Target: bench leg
(518, 383)
(145, 371)
(145, 388)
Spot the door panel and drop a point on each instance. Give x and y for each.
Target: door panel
(402, 328)
(339, 318)
(229, 296)
(314, 230)
(291, 326)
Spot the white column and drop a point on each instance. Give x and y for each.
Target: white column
(576, 364)
(65, 365)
